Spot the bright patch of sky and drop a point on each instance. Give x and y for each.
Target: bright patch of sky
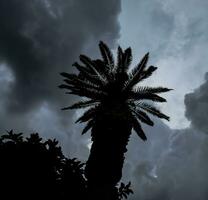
(173, 33)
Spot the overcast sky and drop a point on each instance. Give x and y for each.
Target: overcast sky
(39, 39)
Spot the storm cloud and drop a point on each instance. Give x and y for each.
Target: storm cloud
(38, 40)
(197, 107)
(173, 164)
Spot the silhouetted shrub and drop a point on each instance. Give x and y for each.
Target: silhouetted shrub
(31, 168)
(35, 169)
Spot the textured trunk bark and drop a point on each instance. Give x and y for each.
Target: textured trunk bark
(104, 166)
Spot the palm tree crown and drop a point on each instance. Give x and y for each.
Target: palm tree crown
(111, 89)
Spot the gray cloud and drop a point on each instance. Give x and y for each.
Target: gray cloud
(177, 173)
(39, 39)
(174, 34)
(173, 164)
(197, 107)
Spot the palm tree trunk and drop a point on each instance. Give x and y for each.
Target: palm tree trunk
(104, 166)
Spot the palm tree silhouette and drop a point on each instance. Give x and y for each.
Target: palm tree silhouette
(116, 106)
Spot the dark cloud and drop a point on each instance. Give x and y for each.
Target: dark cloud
(39, 39)
(197, 107)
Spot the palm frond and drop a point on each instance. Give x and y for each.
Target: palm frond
(69, 76)
(154, 90)
(92, 93)
(103, 69)
(72, 90)
(147, 73)
(141, 65)
(82, 104)
(143, 117)
(152, 110)
(81, 89)
(120, 55)
(64, 86)
(138, 129)
(87, 115)
(86, 74)
(145, 96)
(74, 83)
(101, 66)
(89, 93)
(88, 126)
(136, 72)
(90, 64)
(81, 68)
(106, 54)
(78, 83)
(127, 59)
(124, 60)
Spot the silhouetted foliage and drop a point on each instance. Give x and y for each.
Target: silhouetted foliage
(31, 168)
(35, 169)
(124, 190)
(116, 106)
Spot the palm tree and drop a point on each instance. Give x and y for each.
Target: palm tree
(116, 106)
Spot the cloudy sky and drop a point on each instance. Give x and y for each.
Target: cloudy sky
(40, 38)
